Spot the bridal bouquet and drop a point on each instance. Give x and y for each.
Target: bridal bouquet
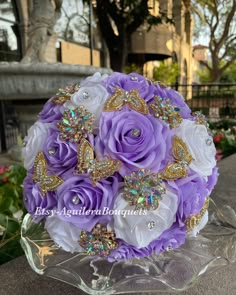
(119, 167)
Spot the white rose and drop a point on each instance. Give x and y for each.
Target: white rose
(35, 140)
(92, 95)
(200, 145)
(200, 226)
(96, 78)
(64, 234)
(140, 230)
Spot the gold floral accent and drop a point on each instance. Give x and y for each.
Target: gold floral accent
(46, 182)
(43, 251)
(195, 220)
(143, 189)
(99, 241)
(183, 158)
(75, 124)
(97, 169)
(130, 98)
(166, 111)
(64, 95)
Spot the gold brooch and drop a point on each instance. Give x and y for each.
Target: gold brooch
(99, 241)
(130, 98)
(46, 182)
(97, 169)
(75, 124)
(195, 220)
(183, 158)
(64, 95)
(166, 111)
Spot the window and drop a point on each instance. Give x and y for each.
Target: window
(9, 33)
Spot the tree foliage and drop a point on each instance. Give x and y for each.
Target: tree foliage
(166, 73)
(118, 20)
(217, 19)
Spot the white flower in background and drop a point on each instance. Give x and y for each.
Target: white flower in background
(64, 234)
(35, 140)
(92, 95)
(200, 145)
(140, 230)
(200, 226)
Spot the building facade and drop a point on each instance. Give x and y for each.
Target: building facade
(172, 43)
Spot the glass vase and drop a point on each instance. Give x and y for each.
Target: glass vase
(176, 270)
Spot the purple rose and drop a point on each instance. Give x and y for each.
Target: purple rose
(176, 98)
(126, 251)
(51, 112)
(34, 199)
(172, 238)
(130, 82)
(192, 192)
(60, 155)
(212, 180)
(139, 141)
(78, 193)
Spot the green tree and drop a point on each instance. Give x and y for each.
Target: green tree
(166, 73)
(118, 20)
(217, 19)
(229, 76)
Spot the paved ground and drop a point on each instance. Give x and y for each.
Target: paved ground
(16, 277)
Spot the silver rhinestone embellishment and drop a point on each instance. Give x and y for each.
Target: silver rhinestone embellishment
(151, 224)
(208, 141)
(51, 151)
(134, 78)
(85, 95)
(24, 143)
(76, 200)
(169, 248)
(136, 132)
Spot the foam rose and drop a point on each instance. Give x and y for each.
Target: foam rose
(134, 229)
(200, 145)
(35, 140)
(64, 234)
(117, 140)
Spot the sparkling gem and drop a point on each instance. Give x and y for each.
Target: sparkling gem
(169, 248)
(85, 95)
(208, 141)
(99, 241)
(143, 189)
(24, 143)
(76, 200)
(51, 151)
(134, 78)
(151, 224)
(136, 132)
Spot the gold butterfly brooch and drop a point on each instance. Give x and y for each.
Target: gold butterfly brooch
(46, 182)
(96, 169)
(130, 98)
(182, 157)
(64, 95)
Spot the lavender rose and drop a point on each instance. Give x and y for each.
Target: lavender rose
(60, 155)
(172, 238)
(192, 192)
(130, 82)
(176, 98)
(78, 193)
(51, 112)
(35, 203)
(137, 140)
